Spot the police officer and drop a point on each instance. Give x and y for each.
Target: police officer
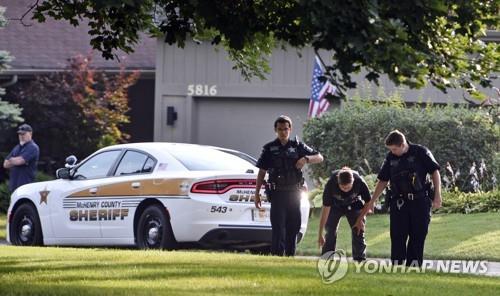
(283, 159)
(345, 194)
(22, 160)
(406, 168)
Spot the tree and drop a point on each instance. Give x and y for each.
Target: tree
(410, 41)
(10, 114)
(75, 111)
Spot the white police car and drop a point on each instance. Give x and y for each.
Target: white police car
(151, 195)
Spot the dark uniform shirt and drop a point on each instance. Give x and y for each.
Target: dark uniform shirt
(418, 159)
(23, 174)
(266, 162)
(333, 196)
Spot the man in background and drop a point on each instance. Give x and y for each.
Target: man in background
(23, 159)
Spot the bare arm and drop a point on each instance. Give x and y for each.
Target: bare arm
(316, 158)
(258, 185)
(379, 188)
(13, 161)
(325, 211)
(436, 180)
(7, 164)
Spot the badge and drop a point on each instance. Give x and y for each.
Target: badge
(44, 195)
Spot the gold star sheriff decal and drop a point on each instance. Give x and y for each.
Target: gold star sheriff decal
(43, 195)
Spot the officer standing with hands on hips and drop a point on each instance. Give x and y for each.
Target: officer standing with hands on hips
(345, 194)
(411, 197)
(284, 159)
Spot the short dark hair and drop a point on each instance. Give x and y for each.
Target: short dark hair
(345, 176)
(395, 138)
(283, 119)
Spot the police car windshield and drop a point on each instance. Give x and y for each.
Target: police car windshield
(196, 158)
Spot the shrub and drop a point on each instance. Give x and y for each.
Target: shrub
(4, 197)
(5, 193)
(472, 202)
(354, 135)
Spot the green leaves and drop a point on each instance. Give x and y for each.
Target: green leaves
(354, 135)
(411, 42)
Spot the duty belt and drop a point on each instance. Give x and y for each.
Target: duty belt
(410, 196)
(284, 187)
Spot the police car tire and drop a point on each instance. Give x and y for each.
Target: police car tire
(26, 219)
(154, 230)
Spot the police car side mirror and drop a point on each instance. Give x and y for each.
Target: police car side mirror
(70, 161)
(63, 173)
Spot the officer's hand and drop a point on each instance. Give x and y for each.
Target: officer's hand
(359, 225)
(258, 203)
(321, 240)
(301, 163)
(437, 202)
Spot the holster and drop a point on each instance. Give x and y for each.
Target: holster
(429, 191)
(267, 190)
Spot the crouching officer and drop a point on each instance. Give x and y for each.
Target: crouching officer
(345, 194)
(283, 159)
(406, 168)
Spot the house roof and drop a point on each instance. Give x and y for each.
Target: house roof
(48, 46)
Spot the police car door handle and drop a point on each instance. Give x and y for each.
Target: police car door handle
(136, 185)
(93, 190)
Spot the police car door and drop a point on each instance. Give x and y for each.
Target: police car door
(77, 211)
(124, 194)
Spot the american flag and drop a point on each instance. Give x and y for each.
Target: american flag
(318, 103)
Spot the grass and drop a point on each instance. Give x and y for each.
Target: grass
(86, 271)
(451, 236)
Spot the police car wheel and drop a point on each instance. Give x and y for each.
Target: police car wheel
(25, 229)
(154, 230)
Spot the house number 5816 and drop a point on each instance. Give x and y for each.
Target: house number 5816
(201, 90)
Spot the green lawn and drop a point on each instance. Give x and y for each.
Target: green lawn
(86, 271)
(451, 236)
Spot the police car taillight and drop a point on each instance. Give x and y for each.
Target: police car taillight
(221, 186)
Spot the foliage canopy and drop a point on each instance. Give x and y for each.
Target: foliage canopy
(410, 41)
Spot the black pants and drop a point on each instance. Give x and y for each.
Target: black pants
(285, 221)
(409, 227)
(332, 225)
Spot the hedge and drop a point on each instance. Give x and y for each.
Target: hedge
(353, 135)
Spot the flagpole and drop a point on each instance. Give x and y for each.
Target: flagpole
(320, 59)
(324, 67)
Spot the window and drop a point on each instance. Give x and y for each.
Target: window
(196, 158)
(148, 166)
(133, 162)
(98, 166)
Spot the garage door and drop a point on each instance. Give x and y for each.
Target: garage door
(245, 124)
